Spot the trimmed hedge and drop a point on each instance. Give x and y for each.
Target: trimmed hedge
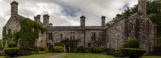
(58, 49)
(12, 44)
(11, 51)
(133, 52)
(131, 43)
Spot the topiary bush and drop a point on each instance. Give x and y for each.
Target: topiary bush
(11, 51)
(133, 52)
(131, 43)
(58, 49)
(12, 44)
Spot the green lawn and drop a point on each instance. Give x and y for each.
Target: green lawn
(90, 55)
(86, 55)
(34, 56)
(38, 55)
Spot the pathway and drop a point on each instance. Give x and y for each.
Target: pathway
(57, 55)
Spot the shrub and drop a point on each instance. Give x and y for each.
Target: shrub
(58, 49)
(11, 51)
(42, 52)
(27, 50)
(133, 52)
(80, 49)
(158, 41)
(43, 49)
(12, 44)
(92, 49)
(33, 52)
(99, 49)
(115, 53)
(118, 54)
(131, 43)
(110, 52)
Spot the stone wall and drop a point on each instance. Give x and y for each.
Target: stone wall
(98, 38)
(141, 27)
(41, 41)
(116, 35)
(13, 24)
(57, 36)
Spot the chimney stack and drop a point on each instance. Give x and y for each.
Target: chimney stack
(37, 18)
(142, 7)
(14, 8)
(82, 21)
(46, 19)
(103, 21)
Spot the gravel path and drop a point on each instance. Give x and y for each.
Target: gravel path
(56, 56)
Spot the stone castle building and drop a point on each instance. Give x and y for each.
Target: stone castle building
(137, 26)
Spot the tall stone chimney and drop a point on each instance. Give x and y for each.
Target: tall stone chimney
(142, 6)
(46, 19)
(82, 21)
(14, 8)
(37, 18)
(103, 21)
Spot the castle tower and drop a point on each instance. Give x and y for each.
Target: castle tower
(142, 6)
(82, 21)
(14, 8)
(103, 21)
(37, 18)
(46, 19)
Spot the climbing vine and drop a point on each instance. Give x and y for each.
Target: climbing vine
(28, 33)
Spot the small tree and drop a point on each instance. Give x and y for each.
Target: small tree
(70, 42)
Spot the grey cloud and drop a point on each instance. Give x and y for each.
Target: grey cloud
(66, 12)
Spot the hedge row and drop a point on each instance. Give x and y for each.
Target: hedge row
(11, 51)
(133, 52)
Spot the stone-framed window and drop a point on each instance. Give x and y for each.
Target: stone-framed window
(50, 36)
(93, 37)
(72, 36)
(61, 36)
(89, 44)
(99, 44)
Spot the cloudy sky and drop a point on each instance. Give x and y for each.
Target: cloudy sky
(66, 12)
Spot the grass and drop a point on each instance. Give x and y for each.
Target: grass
(151, 57)
(86, 55)
(38, 55)
(34, 56)
(90, 55)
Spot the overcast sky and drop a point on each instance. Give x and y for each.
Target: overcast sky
(66, 12)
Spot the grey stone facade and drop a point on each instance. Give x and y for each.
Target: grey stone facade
(137, 26)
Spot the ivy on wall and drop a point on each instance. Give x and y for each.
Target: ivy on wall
(28, 33)
(7, 35)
